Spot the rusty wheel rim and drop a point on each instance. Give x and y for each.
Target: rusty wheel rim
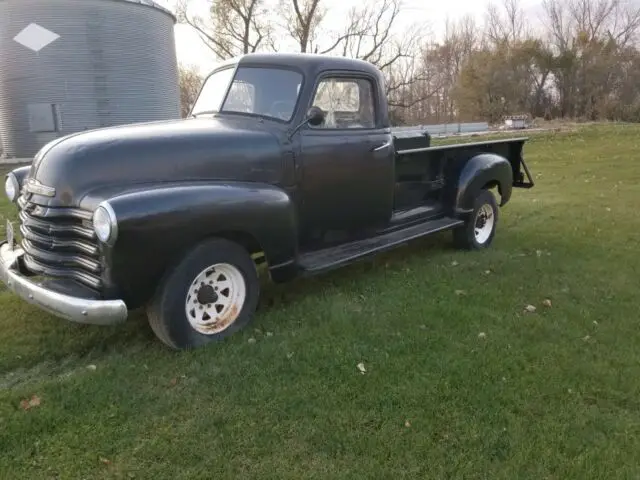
(215, 298)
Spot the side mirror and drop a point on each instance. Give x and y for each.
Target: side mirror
(315, 116)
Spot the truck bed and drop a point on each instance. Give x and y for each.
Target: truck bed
(421, 171)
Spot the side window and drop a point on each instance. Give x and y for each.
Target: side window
(346, 102)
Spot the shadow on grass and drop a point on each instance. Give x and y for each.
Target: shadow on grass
(36, 340)
(281, 296)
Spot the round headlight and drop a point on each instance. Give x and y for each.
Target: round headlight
(105, 223)
(11, 187)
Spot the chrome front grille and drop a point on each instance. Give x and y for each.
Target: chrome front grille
(60, 243)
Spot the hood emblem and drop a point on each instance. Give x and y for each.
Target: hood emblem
(34, 186)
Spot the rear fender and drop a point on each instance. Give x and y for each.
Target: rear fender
(157, 226)
(482, 171)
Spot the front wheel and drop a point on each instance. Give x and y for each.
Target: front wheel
(212, 293)
(480, 228)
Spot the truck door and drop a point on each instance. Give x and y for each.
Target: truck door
(347, 163)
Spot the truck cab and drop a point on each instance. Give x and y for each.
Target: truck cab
(285, 157)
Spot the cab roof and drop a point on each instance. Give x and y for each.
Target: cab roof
(309, 63)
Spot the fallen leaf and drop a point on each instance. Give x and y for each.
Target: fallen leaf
(482, 335)
(173, 382)
(547, 303)
(252, 340)
(91, 367)
(461, 293)
(407, 424)
(530, 308)
(106, 461)
(361, 368)
(30, 403)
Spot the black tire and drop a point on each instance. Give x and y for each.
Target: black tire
(465, 237)
(167, 312)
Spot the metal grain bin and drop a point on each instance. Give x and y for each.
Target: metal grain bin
(73, 65)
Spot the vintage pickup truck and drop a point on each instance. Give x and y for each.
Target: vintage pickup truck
(287, 157)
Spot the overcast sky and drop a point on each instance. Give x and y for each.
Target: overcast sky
(191, 50)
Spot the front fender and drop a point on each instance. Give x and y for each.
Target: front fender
(156, 226)
(479, 172)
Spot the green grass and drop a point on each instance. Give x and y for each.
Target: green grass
(550, 394)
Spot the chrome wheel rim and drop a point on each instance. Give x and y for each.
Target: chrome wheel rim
(485, 220)
(215, 298)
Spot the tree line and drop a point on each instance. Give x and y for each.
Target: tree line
(582, 61)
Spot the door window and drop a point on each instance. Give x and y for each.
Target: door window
(346, 102)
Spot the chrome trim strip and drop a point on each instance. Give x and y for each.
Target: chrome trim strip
(81, 276)
(44, 227)
(382, 147)
(63, 259)
(34, 186)
(54, 244)
(80, 310)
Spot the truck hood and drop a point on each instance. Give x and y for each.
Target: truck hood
(134, 156)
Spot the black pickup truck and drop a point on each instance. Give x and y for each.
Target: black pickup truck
(290, 158)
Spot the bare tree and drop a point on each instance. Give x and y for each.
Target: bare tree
(616, 20)
(370, 35)
(507, 25)
(369, 31)
(190, 83)
(234, 27)
(301, 20)
(585, 64)
(588, 38)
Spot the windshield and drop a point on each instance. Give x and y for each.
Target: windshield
(268, 92)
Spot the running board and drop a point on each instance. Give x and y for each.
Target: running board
(334, 257)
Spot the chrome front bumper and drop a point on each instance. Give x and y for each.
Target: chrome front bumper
(79, 310)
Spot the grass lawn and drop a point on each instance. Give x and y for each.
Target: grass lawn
(460, 381)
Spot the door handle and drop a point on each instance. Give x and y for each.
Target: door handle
(381, 147)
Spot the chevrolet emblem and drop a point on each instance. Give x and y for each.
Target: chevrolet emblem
(34, 186)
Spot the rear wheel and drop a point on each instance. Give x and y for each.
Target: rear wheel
(480, 228)
(212, 293)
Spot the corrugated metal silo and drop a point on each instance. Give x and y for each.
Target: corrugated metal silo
(73, 65)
